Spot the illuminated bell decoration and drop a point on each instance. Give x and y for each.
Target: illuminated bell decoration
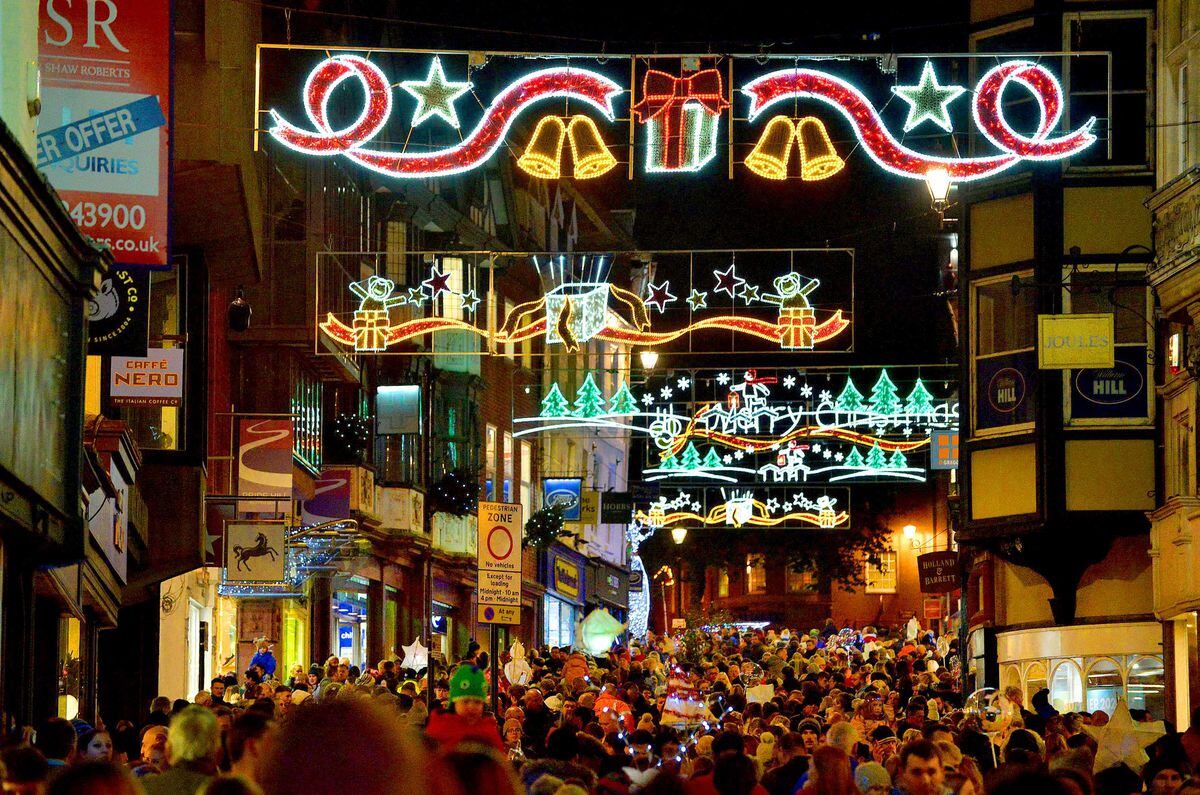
(770, 156)
(588, 152)
(544, 151)
(818, 159)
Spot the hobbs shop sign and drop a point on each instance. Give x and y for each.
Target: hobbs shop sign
(1068, 342)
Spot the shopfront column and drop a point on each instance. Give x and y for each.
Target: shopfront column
(320, 608)
(375, 613)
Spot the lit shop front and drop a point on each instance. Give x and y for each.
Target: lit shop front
(1089, 667)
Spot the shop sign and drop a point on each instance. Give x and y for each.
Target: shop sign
(1004, 390)
(103, 133)
(499, 563)
(1114, 392)
(255, 552)
(938, 571)
(331, 499)
(616, 507)
(636, 578)
(564, 492)
(589, 507)
(153, 380)
(119, 316)
(566, 577)
(931, 608)
(1070, 341)
(265, 463)
(943, 449)
(345, 638)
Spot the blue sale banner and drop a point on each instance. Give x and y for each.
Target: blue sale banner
(97, 130)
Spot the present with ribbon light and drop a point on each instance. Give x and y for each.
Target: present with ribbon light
(681, 115)
(371, 327)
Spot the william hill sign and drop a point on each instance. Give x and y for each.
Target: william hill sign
(1070, 342)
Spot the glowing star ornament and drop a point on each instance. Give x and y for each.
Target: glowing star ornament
(697, 300)
(659, 296)
(470, 301)
(928, 100)
(437, 283)
(435, 95)
(728, 281)
(597, 631)
(1122, 740)
(416, 656)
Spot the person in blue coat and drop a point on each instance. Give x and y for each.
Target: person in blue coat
(263, 658)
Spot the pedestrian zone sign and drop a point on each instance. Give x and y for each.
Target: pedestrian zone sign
(499, 563)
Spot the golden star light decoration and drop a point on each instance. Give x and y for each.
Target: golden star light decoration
(435, 95)
(1123, 739)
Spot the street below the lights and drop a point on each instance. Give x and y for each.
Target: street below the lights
(498, 398)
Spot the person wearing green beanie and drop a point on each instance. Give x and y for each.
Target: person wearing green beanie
(468, 691)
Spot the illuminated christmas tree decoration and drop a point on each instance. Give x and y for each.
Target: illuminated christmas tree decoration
(476, 147)
(818, 159)
(435, 95)
(659, 296)
(589, 400)
(769, 158)
(928, 100)
(892, 156)
(544, 151)
(623, 402)
(554, 404)
(682, 116)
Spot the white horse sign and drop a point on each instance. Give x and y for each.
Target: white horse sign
(255, 552)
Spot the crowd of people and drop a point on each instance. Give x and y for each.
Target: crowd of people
(715, 711)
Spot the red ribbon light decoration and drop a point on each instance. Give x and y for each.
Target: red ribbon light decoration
(989, 116)
(664, 95)
(560, 82)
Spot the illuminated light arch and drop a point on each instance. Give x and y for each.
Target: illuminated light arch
(475, 149)
(898, 159)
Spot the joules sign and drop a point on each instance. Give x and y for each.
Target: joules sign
(581, 115)
(1067, 342)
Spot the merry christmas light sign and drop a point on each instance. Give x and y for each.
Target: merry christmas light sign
(389, 111)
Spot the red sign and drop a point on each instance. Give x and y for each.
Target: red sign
(932, 608)
(103, 133)
(938, 571)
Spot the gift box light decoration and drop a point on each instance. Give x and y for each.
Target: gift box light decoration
(781, 430)
(748, 507)
(677, 117)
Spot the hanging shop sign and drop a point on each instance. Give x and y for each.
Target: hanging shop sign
(701, 301)
(119, 316)
(938, 571)
(616, 507)
(772, 427)
(331, 497)
(255, 552)
(103, 137)
(153, 380)
(265, 463)
(1004, 387)
(943, 449)
(759, 507)
(567, 577)
(931, 608)
(565, 493)
(1115, 392)
(583, 116)
(499, 563)
(1069, 341)
(589, 507)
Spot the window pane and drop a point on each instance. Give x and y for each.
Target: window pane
(1066, 688)
(1103, 686)
(1005, 322)
(1147, 688)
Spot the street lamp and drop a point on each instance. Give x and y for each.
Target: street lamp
(678, 534)
(910, 532)
(649, 359)
(938, 182)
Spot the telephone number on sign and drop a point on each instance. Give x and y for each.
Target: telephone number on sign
(119, 216)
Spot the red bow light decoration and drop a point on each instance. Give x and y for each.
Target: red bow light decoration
(664, 98)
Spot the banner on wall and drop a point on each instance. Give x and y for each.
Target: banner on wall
(103, 136)
(331, 498)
